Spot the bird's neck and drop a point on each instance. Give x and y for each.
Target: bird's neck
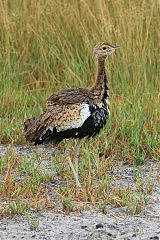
(101, 86)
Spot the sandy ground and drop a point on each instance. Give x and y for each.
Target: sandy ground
(90, 223)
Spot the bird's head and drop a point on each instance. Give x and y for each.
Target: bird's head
(103, 50)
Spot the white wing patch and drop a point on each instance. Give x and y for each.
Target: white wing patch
(81, 113)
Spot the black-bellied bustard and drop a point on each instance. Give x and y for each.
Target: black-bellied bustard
(74, 113)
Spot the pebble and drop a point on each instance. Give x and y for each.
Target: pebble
(99, 225)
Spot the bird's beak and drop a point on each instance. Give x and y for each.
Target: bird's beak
(115, 47)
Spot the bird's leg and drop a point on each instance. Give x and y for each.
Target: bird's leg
(76, 155)
(75, 171)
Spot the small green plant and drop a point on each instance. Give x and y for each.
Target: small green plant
(33, 223)
(58, 168)
(102, 206)
(17, 207)
(67, 204)
(136, 173)
(149, 186)
(135, 207)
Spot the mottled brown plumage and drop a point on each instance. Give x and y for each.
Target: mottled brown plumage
(74, 112)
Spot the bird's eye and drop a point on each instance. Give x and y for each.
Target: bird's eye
(104, 48)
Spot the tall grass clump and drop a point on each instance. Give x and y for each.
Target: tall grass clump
(47, 45)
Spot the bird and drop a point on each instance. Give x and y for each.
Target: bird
(76, 112)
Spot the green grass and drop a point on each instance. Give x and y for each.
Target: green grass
(47, 45)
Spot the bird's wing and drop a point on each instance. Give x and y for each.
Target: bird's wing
(67, 116)
(68, 96)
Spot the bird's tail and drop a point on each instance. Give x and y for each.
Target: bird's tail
(36, 130)
(30, 129)
(33, 128)
(28, 123)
